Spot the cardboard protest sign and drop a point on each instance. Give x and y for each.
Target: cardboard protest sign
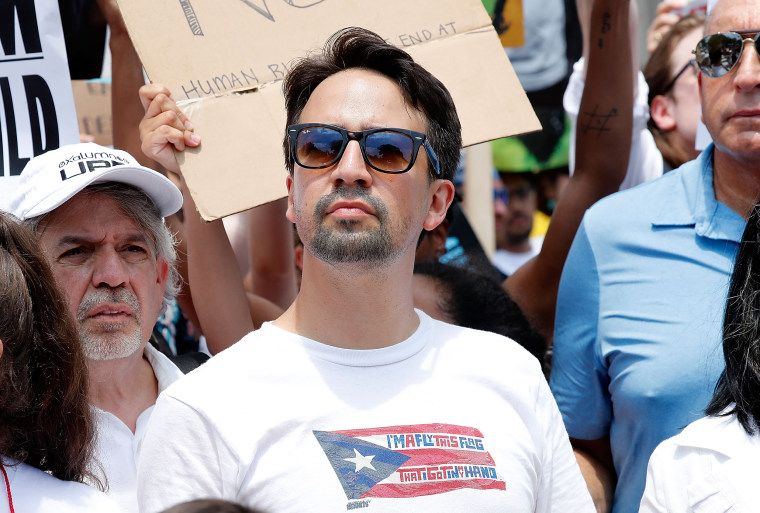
(224, 63)
(37, 107)
(93, 101)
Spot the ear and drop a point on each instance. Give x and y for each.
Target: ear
(298, 255)
(162, 270)
(289, 213)
(443, 195)
(1, 348)
(701, 104)
(661, 112)
(438, 238)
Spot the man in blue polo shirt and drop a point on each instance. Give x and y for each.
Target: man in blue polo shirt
(637, 346)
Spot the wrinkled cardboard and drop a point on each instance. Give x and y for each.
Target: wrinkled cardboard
(93, 102)
(224, 62)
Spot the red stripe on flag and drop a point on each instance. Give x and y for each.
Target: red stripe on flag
(419, 489)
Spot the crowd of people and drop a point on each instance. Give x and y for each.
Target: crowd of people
(339, 349)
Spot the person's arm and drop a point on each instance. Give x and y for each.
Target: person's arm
(270, 245)
(126, 78)
(603, 145)
(594, 458)
(579, 377)
(664, 19)
(216, 283)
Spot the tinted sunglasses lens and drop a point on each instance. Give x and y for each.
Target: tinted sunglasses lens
(389, 151)
(318, 146)
(718, 54)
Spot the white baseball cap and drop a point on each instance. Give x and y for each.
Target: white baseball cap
(51, 179)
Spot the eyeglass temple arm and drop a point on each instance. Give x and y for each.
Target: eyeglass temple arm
(432, 157)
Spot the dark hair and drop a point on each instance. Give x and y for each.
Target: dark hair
(474, 300)
(355, 47)
(209, 506)
(45, 418)
(658, 73)
(738, 389)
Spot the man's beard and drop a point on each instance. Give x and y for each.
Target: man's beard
(110, 341)
(348, 243)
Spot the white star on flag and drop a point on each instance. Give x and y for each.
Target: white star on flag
(361, 461)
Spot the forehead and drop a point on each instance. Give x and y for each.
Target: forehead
(733, 15)
(682, 51)
(90, 214)
(359, 99)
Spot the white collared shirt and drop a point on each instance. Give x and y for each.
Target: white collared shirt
(117, 448)
(712, 466)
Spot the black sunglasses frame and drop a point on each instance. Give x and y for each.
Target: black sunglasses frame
(702, 51)
(418, 140)
(691, 64)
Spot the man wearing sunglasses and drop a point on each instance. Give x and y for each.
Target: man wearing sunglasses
(639, 313)
(352, 399)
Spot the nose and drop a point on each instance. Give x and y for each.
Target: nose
(499, 207)
(109, 269)
(351, 168)
(748, 73)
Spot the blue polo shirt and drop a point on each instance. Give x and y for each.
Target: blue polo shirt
(638, 340)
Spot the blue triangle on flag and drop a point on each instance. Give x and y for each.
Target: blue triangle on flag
(359, 465)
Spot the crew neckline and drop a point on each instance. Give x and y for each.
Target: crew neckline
(389, 355)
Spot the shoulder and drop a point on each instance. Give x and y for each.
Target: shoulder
(488, 353)
(258, 352)
(34, 490)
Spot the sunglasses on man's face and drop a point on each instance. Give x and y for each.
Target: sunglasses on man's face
(388, 150)
(717, 54)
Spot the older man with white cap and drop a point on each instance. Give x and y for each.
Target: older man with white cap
(99, 216)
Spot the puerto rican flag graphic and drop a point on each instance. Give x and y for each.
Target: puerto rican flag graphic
(409, 461)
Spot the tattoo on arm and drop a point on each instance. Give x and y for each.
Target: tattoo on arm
(593, 121)
(606, 27)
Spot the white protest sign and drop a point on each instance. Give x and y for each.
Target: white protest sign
(36, 103)
(224, 62)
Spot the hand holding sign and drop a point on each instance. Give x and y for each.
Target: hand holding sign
(164, 128)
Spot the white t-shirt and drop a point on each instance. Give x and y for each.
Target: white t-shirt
(117, 449)
(34, 491)
(508, 262)
(449, 420)
(711, 467)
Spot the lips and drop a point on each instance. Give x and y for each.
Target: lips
(104, 311)
(350, 207)
(746, 113)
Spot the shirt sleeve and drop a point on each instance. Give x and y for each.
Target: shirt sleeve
(561, 487)
(182, 458)
(579, 378)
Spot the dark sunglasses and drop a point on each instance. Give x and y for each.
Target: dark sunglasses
(388, 150)
(717, 54)
(691, 64)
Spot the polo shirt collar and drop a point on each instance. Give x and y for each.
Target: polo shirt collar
(691, 202)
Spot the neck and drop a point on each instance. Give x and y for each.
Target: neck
(518, 246)
(125, 387)
(736, 183)
(354, 306)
